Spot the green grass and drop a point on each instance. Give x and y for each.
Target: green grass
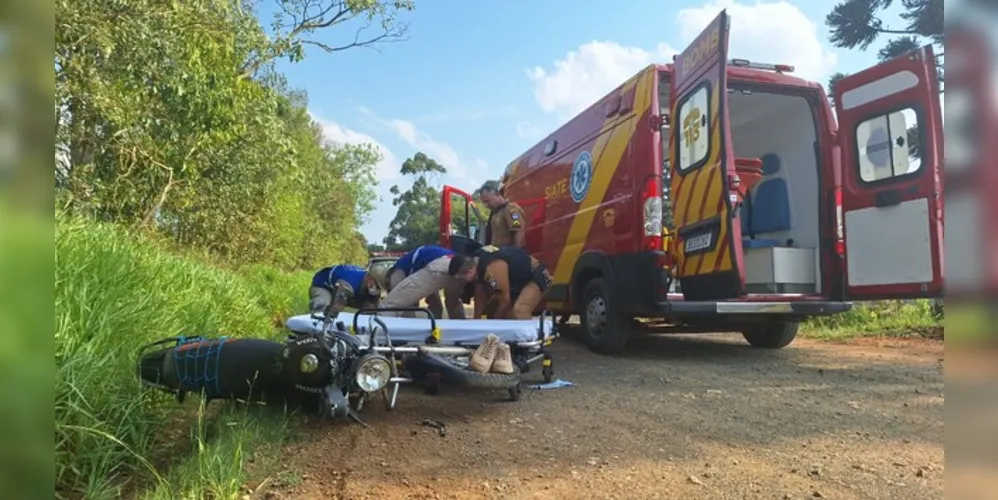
(224, 447)
(115, 292)
(891, 318)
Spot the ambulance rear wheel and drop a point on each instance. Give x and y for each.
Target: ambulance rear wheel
(773, 335)
(605, 330)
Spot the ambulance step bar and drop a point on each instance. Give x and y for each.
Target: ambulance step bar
(801, 308)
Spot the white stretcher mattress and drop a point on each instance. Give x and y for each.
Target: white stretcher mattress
(452, 331)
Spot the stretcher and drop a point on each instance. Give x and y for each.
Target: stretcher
(397, 337)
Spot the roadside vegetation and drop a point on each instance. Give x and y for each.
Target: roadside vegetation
(195, 193)
(114, 293)
(888, 318)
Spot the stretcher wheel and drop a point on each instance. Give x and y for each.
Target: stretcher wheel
(548, 373)
(515, 392)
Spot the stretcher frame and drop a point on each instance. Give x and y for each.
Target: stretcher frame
(524, 354)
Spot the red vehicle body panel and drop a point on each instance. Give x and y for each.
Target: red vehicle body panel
(620, 136)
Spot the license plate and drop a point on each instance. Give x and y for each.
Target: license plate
(698, 243)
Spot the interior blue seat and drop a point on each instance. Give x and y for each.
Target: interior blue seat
(768, 209)
(745, 214)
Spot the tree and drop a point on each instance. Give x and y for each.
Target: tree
(855, 24)
(417, 217)
(832, 82)
(157, 130)
(296, 21)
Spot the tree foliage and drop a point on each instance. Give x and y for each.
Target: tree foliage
(417, 217)
(296, 21)
(171, 118)
(856, 24)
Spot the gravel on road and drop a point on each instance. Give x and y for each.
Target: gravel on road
(699, 416)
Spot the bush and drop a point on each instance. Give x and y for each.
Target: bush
(113, 293)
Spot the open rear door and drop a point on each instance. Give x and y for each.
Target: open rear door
(708, 250)
(461, 225)
(890, 131)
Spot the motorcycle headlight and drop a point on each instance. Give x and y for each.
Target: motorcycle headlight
(309, 363)
(373, 373)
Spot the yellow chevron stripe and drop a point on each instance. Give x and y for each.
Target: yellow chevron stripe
(714, 191)
(726, 263)
(608, 150)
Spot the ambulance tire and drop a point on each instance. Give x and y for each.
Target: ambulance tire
(606, 331)
(773, 335)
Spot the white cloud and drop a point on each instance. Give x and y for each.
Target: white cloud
(776, 32)
(457, 167)
(772, 32)
(461, 171)
(588, 73)
(386, 169)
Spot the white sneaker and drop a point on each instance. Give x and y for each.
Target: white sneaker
(481, 360)
(504, 360)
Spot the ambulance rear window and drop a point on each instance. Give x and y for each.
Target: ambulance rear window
(693, 132)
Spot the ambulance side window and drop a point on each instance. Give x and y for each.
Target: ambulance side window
(693, 129)
(889, 146)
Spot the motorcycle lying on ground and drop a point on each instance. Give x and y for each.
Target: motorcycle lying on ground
(322, 369)
(317, 371)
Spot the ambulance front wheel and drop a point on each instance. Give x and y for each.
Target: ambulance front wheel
(605, 329)
(772, 335)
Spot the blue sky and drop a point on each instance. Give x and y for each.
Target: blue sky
(477, 83)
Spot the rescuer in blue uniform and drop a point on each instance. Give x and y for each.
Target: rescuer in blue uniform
(422, 273)
(336, 287)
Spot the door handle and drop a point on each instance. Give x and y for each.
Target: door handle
(891, 197)
(887, 198)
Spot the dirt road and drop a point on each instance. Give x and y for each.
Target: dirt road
(674, 417)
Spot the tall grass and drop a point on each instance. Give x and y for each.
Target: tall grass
(114, 293)
(223, 444)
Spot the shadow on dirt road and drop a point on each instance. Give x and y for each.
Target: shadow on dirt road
(702, 416)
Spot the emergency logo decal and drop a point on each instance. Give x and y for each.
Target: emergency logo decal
(581, 177)
(515, 216)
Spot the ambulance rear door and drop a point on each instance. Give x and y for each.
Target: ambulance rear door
(890, 134)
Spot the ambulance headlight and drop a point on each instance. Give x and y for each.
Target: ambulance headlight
(373, 372)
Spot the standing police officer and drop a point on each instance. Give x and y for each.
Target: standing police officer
(507, 225)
